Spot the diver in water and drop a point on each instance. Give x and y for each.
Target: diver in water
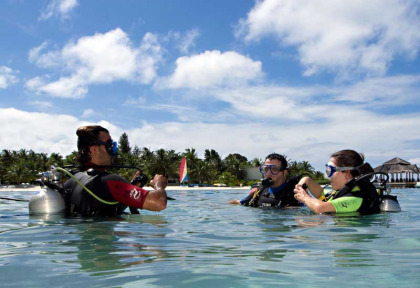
(275, 190)
(112, 194)
(349, 194)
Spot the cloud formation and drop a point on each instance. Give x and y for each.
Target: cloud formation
(7, 77)
(58, 8)
(101, 58)
(212, 69)
(338, 36)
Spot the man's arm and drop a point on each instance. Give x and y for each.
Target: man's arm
(313, 187)
(156, 200)
(135, 196)
(247, 198)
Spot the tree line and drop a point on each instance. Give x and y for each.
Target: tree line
(25, 166)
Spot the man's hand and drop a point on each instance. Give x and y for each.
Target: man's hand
(159, 182)
(139, 179)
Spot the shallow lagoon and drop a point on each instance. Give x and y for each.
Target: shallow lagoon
(200, 241)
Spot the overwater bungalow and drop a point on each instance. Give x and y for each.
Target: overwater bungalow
(402, 173)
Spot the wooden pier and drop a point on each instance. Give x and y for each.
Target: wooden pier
(402, 185)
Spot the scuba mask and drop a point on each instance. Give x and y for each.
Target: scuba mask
(330, 169)
(273, 168)
(111, 146)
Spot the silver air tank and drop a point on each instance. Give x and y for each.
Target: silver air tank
(46, 201)
(389, 203)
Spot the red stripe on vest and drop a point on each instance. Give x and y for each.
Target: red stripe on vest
(127, 194)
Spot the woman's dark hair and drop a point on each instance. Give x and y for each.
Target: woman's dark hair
(87, 136)
(279, 157)
(350, 158)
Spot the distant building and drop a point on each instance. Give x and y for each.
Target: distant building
(253, 173)
(401, 172)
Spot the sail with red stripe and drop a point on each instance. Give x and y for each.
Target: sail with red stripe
(183, 173)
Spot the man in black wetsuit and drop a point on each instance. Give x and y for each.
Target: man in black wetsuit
(106, 194)
(274, 191)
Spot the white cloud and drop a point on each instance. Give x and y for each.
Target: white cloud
(44, 60)
(339, 36)
(380, 137)
(213, 69)
(313, 103)
(89, 113)
(414, 161)
(58, 8)
(191, 114)
(101, 58)
(42, 132)
(7, 77)
(385, 91)
(41, 105)
(272, 102)
(148, 57)
(188, 40)
(141, 100)
(183, 41)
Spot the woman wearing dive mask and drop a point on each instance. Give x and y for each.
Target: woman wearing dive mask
(348, 194)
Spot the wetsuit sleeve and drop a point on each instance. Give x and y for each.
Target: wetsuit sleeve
(346, 204)
(248, 197)
(124, 192)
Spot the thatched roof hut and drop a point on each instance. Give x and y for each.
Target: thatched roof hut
(399, 166)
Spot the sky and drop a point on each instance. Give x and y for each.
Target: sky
(296, 77)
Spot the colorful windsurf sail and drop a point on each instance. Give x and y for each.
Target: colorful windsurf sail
(183, 172)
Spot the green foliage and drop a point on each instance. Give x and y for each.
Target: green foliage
(227, 178)
(26, 165)
(124, 144)
(306, 169)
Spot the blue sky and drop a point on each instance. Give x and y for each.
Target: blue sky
(302, 78)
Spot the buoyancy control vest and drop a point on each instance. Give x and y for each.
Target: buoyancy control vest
(282, 198)
(366, 191)
(79, 202)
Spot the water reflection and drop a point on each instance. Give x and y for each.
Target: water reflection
(109, 246)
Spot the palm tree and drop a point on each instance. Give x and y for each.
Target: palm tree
(256, 162)
(164, 163)
(55, 160)
(235, 164)
(124, 144)
(213, 158)
(19, 173)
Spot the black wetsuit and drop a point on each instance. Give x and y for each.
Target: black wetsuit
(80, 203)
(363, 189)
(284, 197)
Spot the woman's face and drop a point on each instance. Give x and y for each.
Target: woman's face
(339, 178)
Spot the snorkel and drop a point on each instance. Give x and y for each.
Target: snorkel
(267, 182)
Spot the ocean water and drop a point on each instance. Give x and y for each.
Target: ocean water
(201, 241)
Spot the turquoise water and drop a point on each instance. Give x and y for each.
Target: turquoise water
(200, 241)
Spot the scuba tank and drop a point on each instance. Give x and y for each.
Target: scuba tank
(388, 203)
(48, 200)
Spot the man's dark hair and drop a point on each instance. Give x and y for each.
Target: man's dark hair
(279, 157)
(87, 136)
